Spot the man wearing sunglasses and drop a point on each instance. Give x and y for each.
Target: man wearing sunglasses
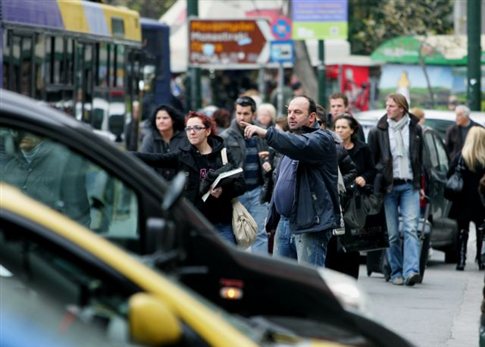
(248, 153)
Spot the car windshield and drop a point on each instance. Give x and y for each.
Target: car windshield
(440, 125)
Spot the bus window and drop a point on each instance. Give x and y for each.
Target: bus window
(68, 67)
(6, 61)
(84, 81)
(21, 60)
(120, 66)
(102, 73)
(39, 57)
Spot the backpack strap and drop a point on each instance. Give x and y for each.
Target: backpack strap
(224, 156)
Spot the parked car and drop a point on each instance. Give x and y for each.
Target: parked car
(439, 120)
(130, 205)
(72, 288)
(436, 163)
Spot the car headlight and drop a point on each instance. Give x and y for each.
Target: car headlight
(347, 291)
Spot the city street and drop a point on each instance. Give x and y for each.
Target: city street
(443, 311)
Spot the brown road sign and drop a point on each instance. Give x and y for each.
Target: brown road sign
(235, 41)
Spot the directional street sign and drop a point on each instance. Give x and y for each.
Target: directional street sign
(282, 51)
(243, 41)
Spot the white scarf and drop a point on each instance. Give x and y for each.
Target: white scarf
(397, 127)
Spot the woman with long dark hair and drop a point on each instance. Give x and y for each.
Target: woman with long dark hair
(166, 135)
(203, 159)
(347, 128)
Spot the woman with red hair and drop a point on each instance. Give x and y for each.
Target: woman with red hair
(202, 160)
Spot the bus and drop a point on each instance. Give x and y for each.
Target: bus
(78, 56)
(155, 61)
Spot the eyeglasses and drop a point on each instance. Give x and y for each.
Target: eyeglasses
(195, 128)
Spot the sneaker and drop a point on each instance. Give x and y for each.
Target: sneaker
(412, 279)
(397, 281)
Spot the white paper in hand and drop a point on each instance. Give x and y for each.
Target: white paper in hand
(219, 179)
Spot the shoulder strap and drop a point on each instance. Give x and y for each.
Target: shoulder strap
(224, 156)
(461, 164)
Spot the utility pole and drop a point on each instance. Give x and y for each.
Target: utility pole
(195, 100)
(321, 73)
(474, 25)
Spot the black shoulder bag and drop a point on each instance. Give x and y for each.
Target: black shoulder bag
(454, 185)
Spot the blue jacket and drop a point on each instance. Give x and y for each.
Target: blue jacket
(316, 205)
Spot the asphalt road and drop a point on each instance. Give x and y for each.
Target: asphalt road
(443, 311)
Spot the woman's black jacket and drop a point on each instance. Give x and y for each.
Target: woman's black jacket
(186, 159)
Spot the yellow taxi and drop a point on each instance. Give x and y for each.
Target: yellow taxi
(97, 294)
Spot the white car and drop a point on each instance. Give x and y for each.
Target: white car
(439, 120)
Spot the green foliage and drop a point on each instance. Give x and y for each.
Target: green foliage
(147, 8)
(371, 22)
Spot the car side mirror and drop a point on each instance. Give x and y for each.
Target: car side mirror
(151, 321)
(174, 191)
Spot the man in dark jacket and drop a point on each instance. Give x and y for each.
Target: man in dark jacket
(50, 173)
(248, 154)
(305, 205)
(456, 134)
(397, 146)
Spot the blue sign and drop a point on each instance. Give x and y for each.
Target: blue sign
(281, 28)
(319, 19)
(282, 51)
(319, 11)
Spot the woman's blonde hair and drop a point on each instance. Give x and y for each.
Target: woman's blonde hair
(473, 151)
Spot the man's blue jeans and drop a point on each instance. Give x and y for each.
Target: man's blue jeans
(226, 233)
(403, 200)
(252, 201)
(310, 248)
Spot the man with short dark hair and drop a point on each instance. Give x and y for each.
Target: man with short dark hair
(304, 209)
(251, 155)
(339, 104)
(456, 133)
(297, 89)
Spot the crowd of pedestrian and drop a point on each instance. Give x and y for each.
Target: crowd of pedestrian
(300, 170)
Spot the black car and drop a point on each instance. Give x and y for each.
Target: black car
(129, 204)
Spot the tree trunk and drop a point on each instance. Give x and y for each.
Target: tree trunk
(303, 68)
(425, 72)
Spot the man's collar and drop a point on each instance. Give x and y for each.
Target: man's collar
(305, 129)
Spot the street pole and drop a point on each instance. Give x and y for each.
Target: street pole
(321, 73)
(194, 72)
(474, 92)
(281, 84)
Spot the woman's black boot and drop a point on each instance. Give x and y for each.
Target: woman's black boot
(462, 243)
(479, 229)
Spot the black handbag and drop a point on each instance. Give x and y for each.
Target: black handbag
(371, 237)
(454, 184)
(359, 205)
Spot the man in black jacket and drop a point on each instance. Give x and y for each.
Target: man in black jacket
(248, 154)
(396, 143)
(456, 134)
(304, 208)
